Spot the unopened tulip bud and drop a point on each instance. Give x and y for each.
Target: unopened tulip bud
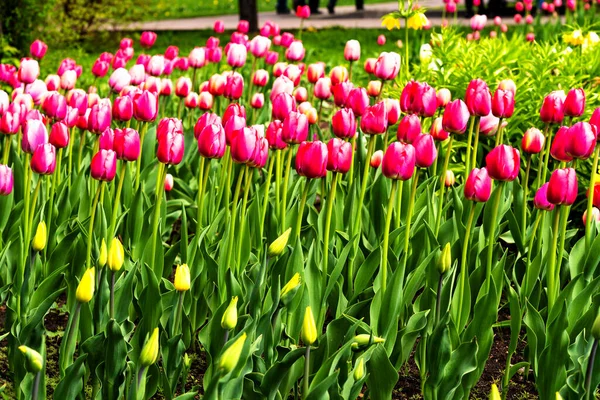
(43, 161)
(308, 333)
(359, 369)
(399, 161)
(231, 356)
(34, 362)
(478, 186)
(85, 289)
(445, 260)
(409, 128)
(450, 180)
(574, 105)
(533, 141)
(229, 318)
(169, 182)
(149, 353)
(381, 40)
(443, 97)
(456, 117)
(581, 140)
(595, 215)
(503, 163)
(376, 159)
(540, 201)
(478, 98)
(494, 393)
(104, 165)
(116, 255)
(562, 187)
(374, 120)
(290, 288)
(103, 256)
(365, 339)
(387, 66)
(374, 88)
(182, 278)
(311, 159)
(39, 240)
(552, 111)
(352, 50)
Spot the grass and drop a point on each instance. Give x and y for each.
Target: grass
(171, 9)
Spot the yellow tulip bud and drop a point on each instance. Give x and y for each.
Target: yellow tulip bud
(231, 355)
(149, 352)
(103, 257)
(187, 361)
(278, 246)
(309, 328)
(596, 328)
(182, 278)
(445, 260)
(39, 240)
(85, 289)
(116, 255)
(35, 362)
(364, 339)
(494, 393)
(290, 288)
(558, 396)
(229, 319)
(359, 369)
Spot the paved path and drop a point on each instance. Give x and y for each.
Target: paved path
(345, 16)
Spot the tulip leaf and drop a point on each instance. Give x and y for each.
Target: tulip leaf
(71, 385)
(382, 375)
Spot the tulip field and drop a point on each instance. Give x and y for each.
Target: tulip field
(402, 214)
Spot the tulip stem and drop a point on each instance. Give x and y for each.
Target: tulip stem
(438, 302)
(525, 192)
(301, 207)
(286, 179)
(351, 172)
(139, 160)
(116, 205)
(411, 203)
(492, 235)
(386, 236)
(469, 139)
(545, 156)
(88, 255)
(306, 373)
(224, 179)
(81, 146)
(243, 216)
(70, 150)
(525, 283)
(476, 143)
(160, 187)
(278, 171)
(443, 186)
(590, 201)
(564, 216)
(199, 201)
(499, 134)
(233, 218)
(363, 187)
(550, 273)
(112, 295)
(463, 265)
(36, 192)
(590, 369)
(178, 312)
(7, 140)
(330, 201)
(263, 213)
(36, 386)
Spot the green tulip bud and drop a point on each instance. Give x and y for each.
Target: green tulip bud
(359, 369)
(558, 396)
(289, 290)
(34, 361)
(229, 319)
(596, 328)
(278, 246)
(365, 339)
(187, 361)
(445, 260)
(149, 352)
(231, 355)
(494, 393)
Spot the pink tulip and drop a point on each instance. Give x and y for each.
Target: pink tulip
(211, 141)
(409, 128)
(595, 119)
(456, 117)
(374, 120)
(503, 103)
(315, 72)
(478, 186)
(341, 93)
(582, 140)
(43, 160)
(219, 26)
(352, 50)
(245, 145)
(503, 163)
(425, 150)
(170, 141)
(59, 135)
(562, 187)
(540, 201)
(126, 144)
(381, 40)
(311, 159)
(55, 106)
(295, 52)
(273, 135)
(558, 148)
(343, 123)
(7, 180)
(303, 12)
(370, 65)
(29, 70)
(236, 55)
(147, 39)
(234, 86)
(574, 105)
(478, 98)
(243, 26)
(197, 57)
(281, 84)
(34, 135)
(260, 78)
(233, 127)
(119, 79)
(295, 128)
(233, 109)
(122, 108)
(488, 125)
(104, 165)
(99, 118)
(358, 101)
(172, 52)
(323, 88)
(258, 100)
(205, 120)
(552, 110)
(145, 106)
(339, 155)
(387, 66)
(443, 97)
(533, 141)
(399, 161)
(437, 130)
(376, 159)
(259, 46)
(38, 49)
(418, 98)
(205, 101)
(10, 123)
(168, 182)
(191, 101)
(392, 107)
(283, 105)
(183, 86)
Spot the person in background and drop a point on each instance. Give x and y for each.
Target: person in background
(360, 5)
(282, 7)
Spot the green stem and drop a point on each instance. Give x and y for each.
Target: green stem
(476, 143)
(88, 254)
(386, 236)
(525, 283)
(306, 373)
(438, 220)
(70, 150)
(116, 205)
(547, 157)
(561, 247)
(363, 186)
(525, 192)
(589, 370)
(138, 165)
(438, 301)
(233, 218)
(66, 356)
(278, 171)
(301, 207)
(36, 386)
(178, 311)
(590, 201)
(411, 204)
(551, 273)
(36, 192)
(201, 174)
(492, 235)
(351, 172)
(7, 140)
(81, 146)
(286, 179)
(112, 295)
(330, 202)
(266, 198)
(160, 187)
(464, 266)
(468, 159)
(243, 216)
(499, 134)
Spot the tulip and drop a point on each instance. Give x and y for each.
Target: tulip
(295, 128)
(10, 123)
(341, 92)
(343, 123)
(503, 103)
(311, 159)
(489, 125)
(574, 105)
(374, 88)
(387, 66)
(392, 107)
(456, 117)
(236, 55)
(234, 86)
(37, 90)
(231, 356)
(39, 239)
(295, 52)
(300, 94)
(99, 118)
(52, 82)
(122, 109)
(595, 216)
(303, 12)
(68, 80)
(104, 165)
(34, 362)
(562, 187)
(127, 144)
(170, 141)
(7, 180)
(59, 135)
(437, 130)
(478, 186)
(540, 201)
(233, 127)
(409, 128)
(374, 120)
(145, 106)
(211, 141)
(418, 98)
(182, 278)
(358, 101)
(183, 86)
(197, 57)
(339, 155)
(119, 79)
(283, 105)
(558, 148)
(376, 159)
(595, 119)
(229, 318)
(533, 141)
(38, 49)
(243, 26)
(503, 163)
(260, 78)
(29, 70)
(370, 65)
(449, 180)
(85, 288)
(257, 101)
(259, 46)
(116, 255)
(219, 26)
(478, 98)
(399, 161)
(381, 40)
(149, 353)
(271, 57)
(275, 249)
(443, 97)
(425, 150)
(581, 140)
(147, 39)
(245, 145)
(309, 333)
(205, 120)
(34, 135)
(552, 111)
(55, 106)
(352, 50)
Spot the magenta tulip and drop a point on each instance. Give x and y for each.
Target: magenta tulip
(456, 117)
(283, 104)
(273, 135)
(533, 141)
(339, 155)
(399, 161)
(409, 128)
(437, 130)
(55, 106)
(295, 128)
(595, 119)
(358, 101)
(147, 39)
(562, 187)
(7, 180)
(29, 70)
(418, 98)
(341, 92)
(43, 160)
(387, 66)
(478, 98)
(59, 135)
(503, 163)
(425, 150)
(127, 144)
(34, 135)
(574, 105)
(581, 140)
(211, 141)
(311, 159)
(99, 118)
(170, 147)
(374, 120)
(503, 103)
(122, 109)
(558, 148)
(343, 123)
(392, 107)
(205, 120)
(38, 49)
(540, 201)
(145, 106)
(478, 186)
(552, 111)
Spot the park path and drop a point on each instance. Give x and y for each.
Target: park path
(345, 16)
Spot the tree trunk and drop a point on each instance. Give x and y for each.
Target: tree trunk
(249, 12)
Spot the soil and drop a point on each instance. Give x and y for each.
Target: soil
(407, 388)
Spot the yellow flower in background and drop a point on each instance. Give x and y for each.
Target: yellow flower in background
(593, 38)
(577, 37)
(390, 22)
(39, 240)
(417, 21)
